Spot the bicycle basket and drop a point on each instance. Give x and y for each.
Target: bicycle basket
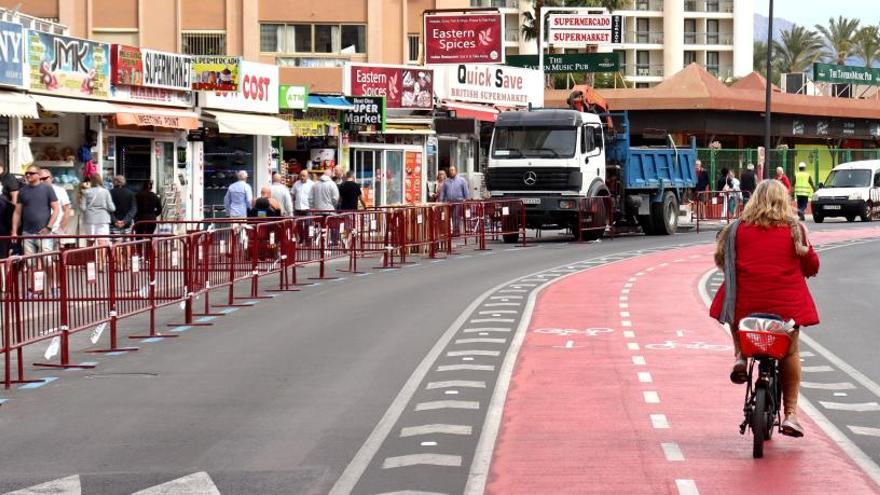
(757, 343)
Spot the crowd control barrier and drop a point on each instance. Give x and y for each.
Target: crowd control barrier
(717, 208)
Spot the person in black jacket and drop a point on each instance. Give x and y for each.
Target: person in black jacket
(747, 181)
(149, 207)
(722, 180)
(126, 208)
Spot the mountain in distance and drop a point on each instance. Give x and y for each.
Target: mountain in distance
(779, 25)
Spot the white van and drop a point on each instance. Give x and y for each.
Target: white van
(851, 190)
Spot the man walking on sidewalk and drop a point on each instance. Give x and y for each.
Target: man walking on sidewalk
(803, 189)
(302, 194)
(239, 197)
(281, 194)
(454, 190)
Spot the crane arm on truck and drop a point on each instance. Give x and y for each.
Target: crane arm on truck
(584, 98)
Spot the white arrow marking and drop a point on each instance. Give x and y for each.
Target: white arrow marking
(447, 404)
(193, 484)
(485, 329)
(855, 407)
(817, 369)
(865, 430)
(422, 460)
(455, 383)
(829, 386)
(414, 431)
(466, 367)
(480, 340)
(63, 486)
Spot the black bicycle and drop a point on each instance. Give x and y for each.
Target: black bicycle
(764, 340)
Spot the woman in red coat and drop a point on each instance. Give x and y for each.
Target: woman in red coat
(773, 257)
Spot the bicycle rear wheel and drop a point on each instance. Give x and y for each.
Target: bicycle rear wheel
(759, 423)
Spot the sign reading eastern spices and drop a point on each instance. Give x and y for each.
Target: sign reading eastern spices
(215, 73)
(68, 66)
(464, 38)
(368, 111)
(11, 54)
(402, 87)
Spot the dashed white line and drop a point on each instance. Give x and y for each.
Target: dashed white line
(422, 460)
(817, 369)
(629, 334)
(473, 353)
(486, 329)
(480, 340)
(507, 304)
(806, 354)
(624, 314)
(828, 386)
(854, 406)
(498, 312)
(659, 421)
(624, 305)
(569, 344)
(626, 323)
(672, 451)
(466, 367)
(686, 487)
(639, 360)
(865, 430)
(455, 383)
(645, 377)
(624, 291)
(492, 320)
(435, 429)
(651, 397)
(447, 404)
(633, 346)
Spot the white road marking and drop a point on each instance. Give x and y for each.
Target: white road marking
(663, 265)
(633, 346)
(492, 320)
(828, 386)
(649, 269)
(624, 298)
(659, 421)
(626, 323)
(196, 483)
(446, 404)
(504, 298)
(473, 353)
(854, 406)
(679, 333)
(651, 397)
(865, 430)
(467, 359)
(435, 429)
(486, 329)
(483, 334)
(629, 334)
(627, 285)
(623, 305)
(645, 377)
(480, 340)
(63, 486)
(569, 344)
(631, 279)
(455, 383)
(422, 460)
(817, 369)
(639, 360)
(672, 451)
(624, 314)
(686, 487)
(840, 394)
(495, 305)
(842, 365)
(806, 354)
(428, 444)
(499, 312)
(466, 367)
(624, 291)
(411, 492)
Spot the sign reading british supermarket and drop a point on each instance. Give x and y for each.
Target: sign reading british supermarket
(257, 93)
(11, 54)
(464, 38)
(578, 30)
(153, 69)
(403, 87)
(68, 66)
(499, 85)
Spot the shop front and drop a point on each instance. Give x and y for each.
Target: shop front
(316, 126)
(237, 133)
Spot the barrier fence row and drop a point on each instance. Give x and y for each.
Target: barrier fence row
(51, 296)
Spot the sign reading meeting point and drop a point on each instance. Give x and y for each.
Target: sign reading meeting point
(464, 38)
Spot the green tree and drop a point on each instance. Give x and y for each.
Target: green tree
(867, 46)
(759, 58)
(797, 48)
(840, 38)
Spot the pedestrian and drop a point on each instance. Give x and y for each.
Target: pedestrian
(766, 257)
(60, 225)
(302, 194)
(733, 195)
(239, 197)
(780, 176)
(454, 190)
(434, 195)
(97, 207)
(722, 179)
(803, 189)
(35, 213)
(748, 182)
(266, 205)
(149, 207)
(125, 208)
(281, 194)
(9, 187)
(350, 194)
(702, 179)
(324, 195)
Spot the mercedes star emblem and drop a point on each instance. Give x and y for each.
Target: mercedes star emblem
(530, 178)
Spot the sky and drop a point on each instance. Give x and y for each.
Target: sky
(811, 12)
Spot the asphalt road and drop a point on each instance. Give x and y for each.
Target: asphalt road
(280, 397)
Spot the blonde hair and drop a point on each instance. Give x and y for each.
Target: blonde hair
(769, 206)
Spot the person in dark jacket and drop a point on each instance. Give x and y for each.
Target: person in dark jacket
(747, 182)
(149, 207)
(702, 178)
(126, 208)
(722, 179)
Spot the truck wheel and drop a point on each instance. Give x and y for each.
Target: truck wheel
(865, 215)
(511, 238)
(850, 218)
(664, 215)
(647, 224)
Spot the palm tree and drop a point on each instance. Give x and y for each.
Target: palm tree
(840, 38)
(759, 57)
(867, 45)
(797, 48)
(529, 28)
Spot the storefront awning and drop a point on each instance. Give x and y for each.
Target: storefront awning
(17, 105)
(250, 124)
(57, 104)
(476, 111)
(171, 118)
(330, 102)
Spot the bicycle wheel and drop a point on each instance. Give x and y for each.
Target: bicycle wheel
(759, 423)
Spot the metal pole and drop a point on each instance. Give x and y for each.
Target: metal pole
(767, 93)
(540, 29)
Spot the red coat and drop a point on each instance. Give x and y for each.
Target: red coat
(785, 182)
(770, 276)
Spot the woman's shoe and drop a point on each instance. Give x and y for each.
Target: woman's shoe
(740, 373)
(791, 427)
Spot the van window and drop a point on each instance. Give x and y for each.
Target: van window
(877, 179)
(857, 177)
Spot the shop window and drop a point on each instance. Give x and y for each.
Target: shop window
(203, 43)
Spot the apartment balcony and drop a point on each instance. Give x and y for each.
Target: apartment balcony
(644, 5)
(644, 37)
(512, 35)
(500, 4)
(722, 72)
(710, 6)
(691, 38)
(642, 70)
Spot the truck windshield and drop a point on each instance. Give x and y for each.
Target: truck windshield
(534, 142)
(849, 178)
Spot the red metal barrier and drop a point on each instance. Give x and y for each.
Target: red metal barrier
(720, 207)
(505, 218)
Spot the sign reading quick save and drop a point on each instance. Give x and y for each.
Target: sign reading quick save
(11, 54)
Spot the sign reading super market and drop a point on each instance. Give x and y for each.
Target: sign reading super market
(67, 66)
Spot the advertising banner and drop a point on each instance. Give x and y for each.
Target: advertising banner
(368, 111)
(464, 38)
(293, 97)
(413, 177)
(147, 76)
(577, 30)
(257, 93)
(65, 66)
(152, 96)
(844, 74)
(499, 85)
(568, 62)
(212, 73)
(403, 87)
(11, 54)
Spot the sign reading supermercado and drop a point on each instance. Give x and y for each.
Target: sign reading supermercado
(464, 38)
(402, 86)
(491, 84)
(577, 30)
(844, 74)
(257, 93)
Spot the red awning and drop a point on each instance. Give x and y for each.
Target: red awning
(476, 111)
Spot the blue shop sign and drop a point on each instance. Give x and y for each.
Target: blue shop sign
(11, 54)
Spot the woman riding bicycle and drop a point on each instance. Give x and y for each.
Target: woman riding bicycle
(771, 254)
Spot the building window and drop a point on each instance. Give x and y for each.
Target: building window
(642, 5)
(643, 63)
(712, 32)
(621, 57)
(413, 44)
(712, 63)
(713, 6)
(203, 43)
(689, 57)
(643, 26)
(642, 85)
(313, 38)
(690, 31)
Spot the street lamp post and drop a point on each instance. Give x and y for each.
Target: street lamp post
(767, 94)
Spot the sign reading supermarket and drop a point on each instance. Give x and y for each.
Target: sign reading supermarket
(11, 54)
(578, 30)
(498, 85)
(67, 66)
(402, 86)
(464, 38)
(134, 66)
(257, 93)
